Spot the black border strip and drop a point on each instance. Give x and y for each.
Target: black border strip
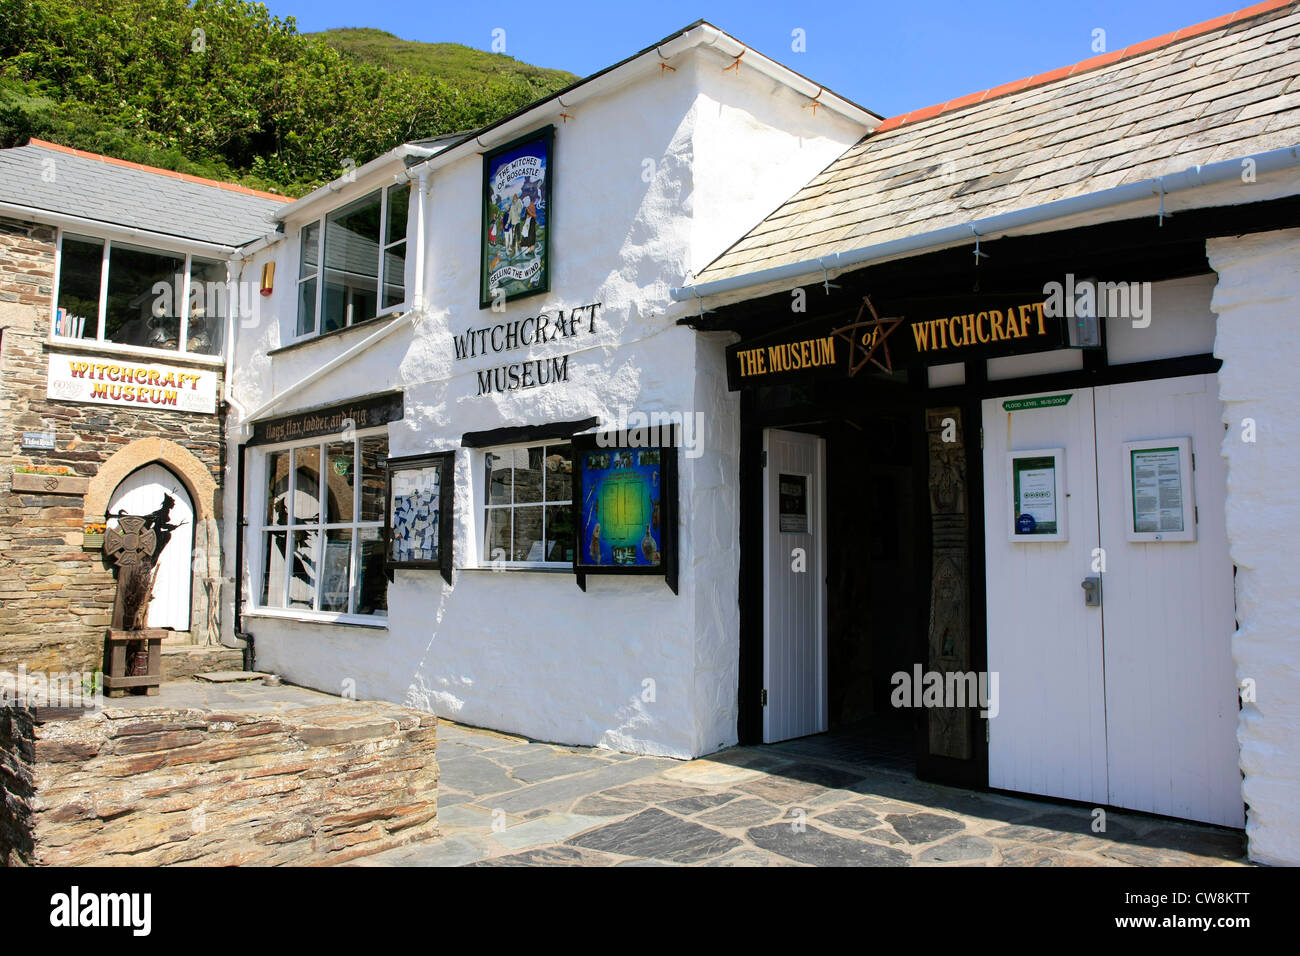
(517, 434)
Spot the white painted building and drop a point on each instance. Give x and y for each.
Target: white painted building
(659, 164)
(700, 200)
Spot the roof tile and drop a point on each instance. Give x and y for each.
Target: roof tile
(1215, 92)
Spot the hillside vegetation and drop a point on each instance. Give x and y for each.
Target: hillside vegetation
(450, 62)
(221, 88)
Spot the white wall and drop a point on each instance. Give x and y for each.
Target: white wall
(527, 651)
(1257, 300)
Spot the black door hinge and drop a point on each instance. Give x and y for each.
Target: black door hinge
(764, 696)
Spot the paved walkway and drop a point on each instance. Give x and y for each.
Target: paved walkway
(507, 801)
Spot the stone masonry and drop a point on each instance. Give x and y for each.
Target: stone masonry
(227, 783)
(55, 597)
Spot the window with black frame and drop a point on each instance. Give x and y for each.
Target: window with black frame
(419, 515)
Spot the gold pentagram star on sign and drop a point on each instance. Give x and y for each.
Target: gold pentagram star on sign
(870, 334)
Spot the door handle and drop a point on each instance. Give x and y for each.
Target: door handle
(1091, 591)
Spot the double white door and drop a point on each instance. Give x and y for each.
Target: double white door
(1131, 700)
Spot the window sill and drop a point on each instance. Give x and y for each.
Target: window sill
(334, 333)
(365, 622)
(541, 569)
(144, 354)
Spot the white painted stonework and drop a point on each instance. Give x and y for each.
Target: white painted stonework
(527, 651)
(1257, 300)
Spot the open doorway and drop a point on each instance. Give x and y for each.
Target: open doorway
(865, 559)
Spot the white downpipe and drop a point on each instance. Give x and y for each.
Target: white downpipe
(234, 271)
(422, 185)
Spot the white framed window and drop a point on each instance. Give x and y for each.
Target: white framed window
(126, 294)
(352, 263)
(320, 528)
(528, 506)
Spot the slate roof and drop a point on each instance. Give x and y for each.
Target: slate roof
(128, 194)
(1224, 89)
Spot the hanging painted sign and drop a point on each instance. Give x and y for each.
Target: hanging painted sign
(115, 381)
(515, 242)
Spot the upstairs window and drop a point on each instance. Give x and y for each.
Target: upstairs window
(125, 294)
(352, 264)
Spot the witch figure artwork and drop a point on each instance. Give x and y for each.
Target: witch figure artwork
(135, 545)
(516, 252)
(131, 652)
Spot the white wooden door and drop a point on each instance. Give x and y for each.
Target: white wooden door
(141, 493)
(1049, 735)
(1132, 703)
(1171, 697)
(794, 613)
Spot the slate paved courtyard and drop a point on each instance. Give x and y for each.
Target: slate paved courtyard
(506, 801)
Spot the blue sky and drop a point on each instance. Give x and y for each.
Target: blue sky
(890, 57)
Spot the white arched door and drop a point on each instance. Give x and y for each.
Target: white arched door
(141, 493)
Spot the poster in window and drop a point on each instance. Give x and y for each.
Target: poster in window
(515, 240)
(1037, 495)
(792, 495)
(419, 514)
(624, 508)
(337, 566)
(1161, 504)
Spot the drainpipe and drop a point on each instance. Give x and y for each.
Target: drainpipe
(422, 185)
(1194, 177)
(250, 657)
(238, 262)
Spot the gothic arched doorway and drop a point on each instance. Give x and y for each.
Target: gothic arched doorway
(141, 493)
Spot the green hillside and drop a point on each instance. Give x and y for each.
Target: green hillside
(222, 88)
(450, 62)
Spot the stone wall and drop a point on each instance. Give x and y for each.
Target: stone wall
(159, 786)
(1257, 300)
(55, 597)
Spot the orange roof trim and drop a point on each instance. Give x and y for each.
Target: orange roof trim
(1096, 62)
(172, 174)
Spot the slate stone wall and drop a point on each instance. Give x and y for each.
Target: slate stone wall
(158, 786)
(55, 597)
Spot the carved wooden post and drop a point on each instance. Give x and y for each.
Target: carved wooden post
(949, 631)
